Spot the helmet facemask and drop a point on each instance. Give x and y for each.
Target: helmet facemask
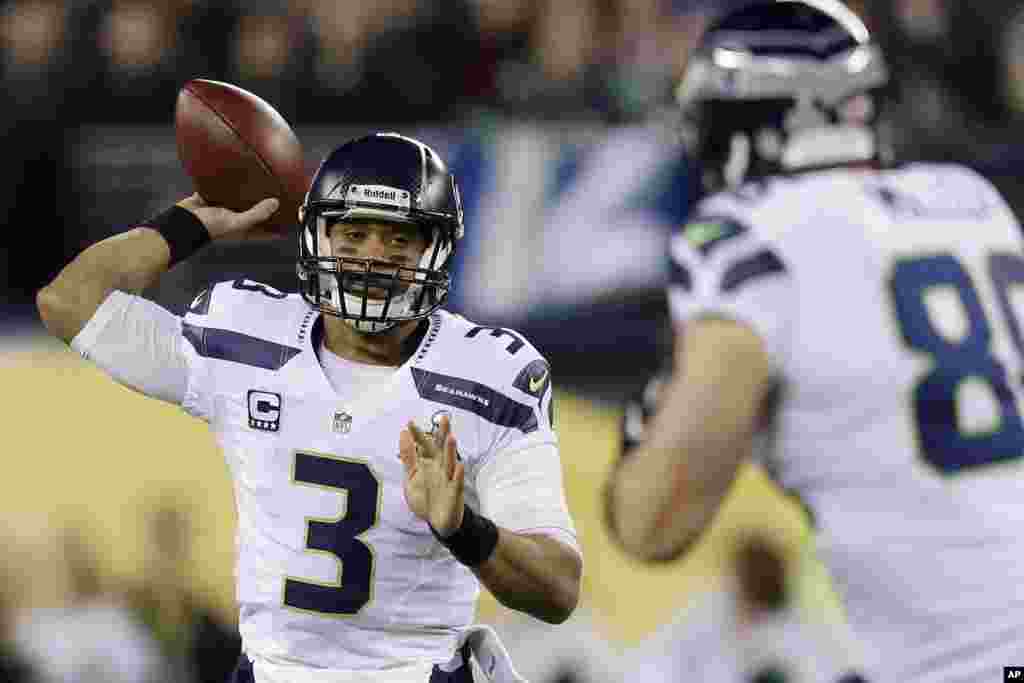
(372, 295)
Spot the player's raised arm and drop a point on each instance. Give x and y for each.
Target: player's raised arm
(133, 260)
(261, 158)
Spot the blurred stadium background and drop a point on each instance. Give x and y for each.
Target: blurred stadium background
(555, 115)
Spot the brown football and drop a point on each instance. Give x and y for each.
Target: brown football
(238, 150)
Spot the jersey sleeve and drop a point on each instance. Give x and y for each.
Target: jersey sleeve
(721, 267)
(139, 344)
(519, 476)
(521, 490)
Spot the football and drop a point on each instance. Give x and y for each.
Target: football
(238, 150)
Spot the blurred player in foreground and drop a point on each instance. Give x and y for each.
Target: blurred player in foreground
(750, 627)
(869, 311)
(365, 525)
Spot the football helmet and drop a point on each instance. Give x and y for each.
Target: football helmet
(776, 86)
(383, 177)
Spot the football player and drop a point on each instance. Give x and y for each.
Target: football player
(388, 456)
(748, 627)
(875, 307)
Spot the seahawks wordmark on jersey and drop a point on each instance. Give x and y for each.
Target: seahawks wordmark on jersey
(889, 303)
(334, 570)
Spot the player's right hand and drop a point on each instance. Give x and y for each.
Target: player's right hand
(222, 223)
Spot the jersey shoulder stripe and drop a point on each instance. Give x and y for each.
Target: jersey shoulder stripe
(481, 400)
(761, 264)
(679, 275)
(218, 344)
(501, 362)
(245, 322)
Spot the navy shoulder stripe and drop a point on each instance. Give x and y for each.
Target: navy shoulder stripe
(679, 275)
(761, 264)
(478, 399)
(211, 342)
(704, 233)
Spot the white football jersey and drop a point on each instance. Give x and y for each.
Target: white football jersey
(334, 570)
(889, 303)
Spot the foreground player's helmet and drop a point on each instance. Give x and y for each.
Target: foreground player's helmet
(389, 178)
(782, 85)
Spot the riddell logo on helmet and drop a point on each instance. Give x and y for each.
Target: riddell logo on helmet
(380, 194)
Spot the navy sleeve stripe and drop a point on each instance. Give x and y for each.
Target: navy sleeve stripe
(481, 400)
(679, 275)
(761, 264)
(210, 342)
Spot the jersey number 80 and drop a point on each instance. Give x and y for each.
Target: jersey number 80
(955, 361)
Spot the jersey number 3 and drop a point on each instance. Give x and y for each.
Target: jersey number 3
(338, 537)
(956, 360)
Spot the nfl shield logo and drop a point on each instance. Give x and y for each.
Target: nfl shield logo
(342, 423)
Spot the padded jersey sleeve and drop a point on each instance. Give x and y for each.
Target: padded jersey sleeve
(139, 344)
(519, 478)
(720, 267)
(521, 490)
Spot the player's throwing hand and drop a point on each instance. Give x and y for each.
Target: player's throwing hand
(221, 222)
(433, 476)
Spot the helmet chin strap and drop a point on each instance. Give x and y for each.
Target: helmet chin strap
(828, 145)
(817, 147)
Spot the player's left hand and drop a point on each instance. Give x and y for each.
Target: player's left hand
(434, 475)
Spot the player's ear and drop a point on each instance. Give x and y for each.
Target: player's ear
(302, 214)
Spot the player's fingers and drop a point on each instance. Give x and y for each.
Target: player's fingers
(459, 477)
(451, 450)
(193, 201)
(406, 449)
(444, 426)
(260, 212)
(426, 448)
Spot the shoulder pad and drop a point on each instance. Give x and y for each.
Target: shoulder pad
(498, 353)
(494, 361)
(245, 322)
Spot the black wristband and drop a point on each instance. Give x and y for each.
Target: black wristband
(184, 233)
(474, 541)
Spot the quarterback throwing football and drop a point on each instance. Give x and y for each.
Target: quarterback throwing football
(387, 456)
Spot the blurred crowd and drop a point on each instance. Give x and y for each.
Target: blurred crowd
(66, 618)
(395, 62)
(386, 61)
(66, 65)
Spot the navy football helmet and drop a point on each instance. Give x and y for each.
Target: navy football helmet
(382, 177)
(776, 86)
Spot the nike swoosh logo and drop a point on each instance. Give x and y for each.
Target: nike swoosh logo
(536, 384)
